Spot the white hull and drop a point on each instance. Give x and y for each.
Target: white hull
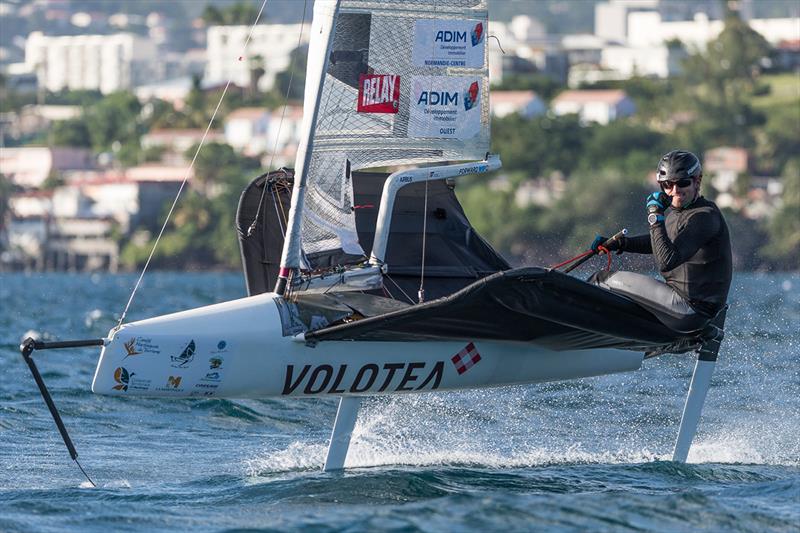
(236, 350)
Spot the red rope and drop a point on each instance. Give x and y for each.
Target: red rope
(604, 250)
(568, 261)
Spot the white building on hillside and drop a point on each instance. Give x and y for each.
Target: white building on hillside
(246, 129)
(106, 63)
(254, 130)
(601, 107)
(638, 36)
(29, 166)
(272, 43)
(526, 103)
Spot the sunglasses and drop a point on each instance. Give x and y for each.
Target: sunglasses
(669, 185)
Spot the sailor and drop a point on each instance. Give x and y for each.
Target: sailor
(690, 242)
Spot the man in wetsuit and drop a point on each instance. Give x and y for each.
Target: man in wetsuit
(690, 242)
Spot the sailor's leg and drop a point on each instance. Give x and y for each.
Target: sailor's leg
(342, 431)
(655, 296)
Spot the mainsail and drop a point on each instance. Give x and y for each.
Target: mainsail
(403, 84)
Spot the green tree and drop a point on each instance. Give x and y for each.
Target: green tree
(114, 120)
(294, 76)
(212, 16)
(784, 227)
(72, 132)
(545, 86)
(201, 231)
(239, 13)
(53, 180)
(540, 145)
(721, 82)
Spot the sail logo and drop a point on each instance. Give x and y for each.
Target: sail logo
(378, 93)
(476, 35)
(174, 381)
(185, 357)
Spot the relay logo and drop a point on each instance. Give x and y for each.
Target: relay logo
(477, 34)
(378, 93)
(471, 96)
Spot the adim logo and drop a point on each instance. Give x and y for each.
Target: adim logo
(476, 34)
(471, 96)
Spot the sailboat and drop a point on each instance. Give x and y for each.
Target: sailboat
(362, 282)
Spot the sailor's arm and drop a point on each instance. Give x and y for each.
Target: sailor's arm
(637, 244)
(699, 229)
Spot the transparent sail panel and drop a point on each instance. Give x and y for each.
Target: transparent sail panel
(406, 83)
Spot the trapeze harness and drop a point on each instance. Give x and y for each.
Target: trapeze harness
(692, 250)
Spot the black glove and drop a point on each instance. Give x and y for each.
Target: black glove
(617, 245)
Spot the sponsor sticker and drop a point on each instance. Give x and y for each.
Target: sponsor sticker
(126, 380)
(466, 358)
(140, 345)
(173, 384)
(445, 107)
(370, 377)
(378, 93)
(449, 43)
(185, 357)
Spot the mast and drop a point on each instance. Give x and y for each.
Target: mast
(322, 31)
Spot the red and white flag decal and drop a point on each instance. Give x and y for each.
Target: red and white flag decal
(378, 93)
(466, 358)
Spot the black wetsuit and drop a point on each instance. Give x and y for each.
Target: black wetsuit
(692, 249)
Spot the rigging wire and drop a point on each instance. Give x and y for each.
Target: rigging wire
(421, 293)
(410, 299)
(188, 173)
(280, 123)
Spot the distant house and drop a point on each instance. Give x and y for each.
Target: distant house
(526, 103)
(254, 130)
(283, 131)
(30, 166)
(246, 129)
(31, 204)
(131, 197)
(178, 141)
(723, 165)
(787, 55)
(601, 107)
(269, 46)
(173, 91)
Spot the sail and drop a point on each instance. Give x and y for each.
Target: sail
(406, 82)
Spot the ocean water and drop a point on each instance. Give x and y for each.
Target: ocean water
(588, 455)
